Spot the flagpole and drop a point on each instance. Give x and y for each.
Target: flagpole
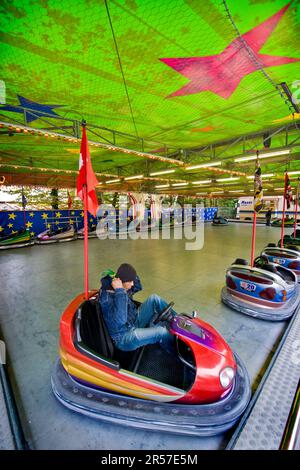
(86, 246)
(253, 239)
(85, 222)
(257, 167)
(283, 215)
(296, 212)
(86, 184)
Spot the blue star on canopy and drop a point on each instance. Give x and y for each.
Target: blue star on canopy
(39, 110)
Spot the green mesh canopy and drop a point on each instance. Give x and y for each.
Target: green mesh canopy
(176, 73)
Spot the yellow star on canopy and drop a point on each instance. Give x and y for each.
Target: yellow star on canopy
(13, 232)
(29, 224)
(12, 216)
(48, 225)
(32, 234)
(91, 220)
(71, 221)
(73, 212)
(31, 214)
(82, 213)
(10, 225)
(44, 215)
(1, 229)
(57, 215)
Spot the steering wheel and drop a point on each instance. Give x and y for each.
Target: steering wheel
(165, 314)
(260, 261)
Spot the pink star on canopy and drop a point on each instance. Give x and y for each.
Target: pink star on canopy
(222, 73)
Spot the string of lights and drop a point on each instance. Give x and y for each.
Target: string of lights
(54, 135)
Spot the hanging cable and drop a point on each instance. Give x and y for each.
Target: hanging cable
(121, 67)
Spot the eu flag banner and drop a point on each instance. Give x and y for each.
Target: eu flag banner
(258, 189)
(39, 221)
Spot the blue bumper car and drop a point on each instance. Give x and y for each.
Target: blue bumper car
(267, 290)
(288, 257)
(219, 221)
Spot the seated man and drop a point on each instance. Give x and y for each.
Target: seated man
(128, 325)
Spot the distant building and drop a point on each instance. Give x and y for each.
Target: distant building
(275, 203)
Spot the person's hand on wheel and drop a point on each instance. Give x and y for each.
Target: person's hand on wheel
(165, 315)
(117, 283)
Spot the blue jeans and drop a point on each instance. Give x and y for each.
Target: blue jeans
(143, 331)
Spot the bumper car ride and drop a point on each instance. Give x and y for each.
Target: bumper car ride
(267, 291)
(288, 257)
(290, 240)
(91, 232)
(65, 234)
(201, 389)
(147, 226)
(220, 221)
(18, 240)
(278, 222)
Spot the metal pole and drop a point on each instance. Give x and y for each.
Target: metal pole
(283, 217)
(86, 245)
(12, 410)
(296, 214)
(253, 239)
(292, 429)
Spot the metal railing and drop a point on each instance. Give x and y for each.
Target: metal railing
(291, 435)
(11, 407)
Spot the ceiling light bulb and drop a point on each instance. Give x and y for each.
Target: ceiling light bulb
(263, 155)
(112, 181)
(227, 179)
(203, 165)
(163, 172)
(134, 177)
(201, 182)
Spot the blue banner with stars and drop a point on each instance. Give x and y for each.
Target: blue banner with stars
(39, 221)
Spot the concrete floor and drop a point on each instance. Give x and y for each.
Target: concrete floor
(38, 282)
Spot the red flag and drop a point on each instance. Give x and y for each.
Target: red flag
(87, 176)
(69, 201)
(288, 194)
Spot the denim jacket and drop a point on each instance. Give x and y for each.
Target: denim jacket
(118, 307)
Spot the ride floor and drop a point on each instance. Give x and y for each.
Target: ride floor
(38, 282)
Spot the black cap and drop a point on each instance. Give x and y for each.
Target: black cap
(126, 272)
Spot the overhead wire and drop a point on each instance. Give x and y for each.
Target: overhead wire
(121, 67)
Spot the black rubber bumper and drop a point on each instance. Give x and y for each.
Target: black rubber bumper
(264, 313)
(56, 240)
(16, 245)
(192, 420)
(81, 236)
